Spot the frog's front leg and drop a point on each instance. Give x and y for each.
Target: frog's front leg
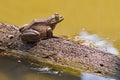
(49, 33)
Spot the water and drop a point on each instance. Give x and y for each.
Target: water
(97, 16)
(11, 69)
(16, 70)
(88, 76)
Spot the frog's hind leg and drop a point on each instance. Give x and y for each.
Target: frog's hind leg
(50, 34)
(30, 36)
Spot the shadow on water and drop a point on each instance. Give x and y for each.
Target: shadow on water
(11, 69)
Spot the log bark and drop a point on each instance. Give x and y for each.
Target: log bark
(58, 53)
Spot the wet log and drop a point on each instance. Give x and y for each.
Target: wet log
(58, 53)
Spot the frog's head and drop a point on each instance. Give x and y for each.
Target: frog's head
(54, 19)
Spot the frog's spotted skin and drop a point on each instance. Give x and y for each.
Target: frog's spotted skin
(39, 28)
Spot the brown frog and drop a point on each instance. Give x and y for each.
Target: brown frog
(39, 29)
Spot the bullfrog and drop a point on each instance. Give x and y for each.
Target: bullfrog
(39, 28)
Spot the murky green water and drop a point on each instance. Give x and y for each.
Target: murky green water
(12, 69)
(15, 70)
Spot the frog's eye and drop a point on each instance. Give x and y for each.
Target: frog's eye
(52, 21)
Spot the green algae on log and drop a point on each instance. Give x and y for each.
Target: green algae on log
(58, 53)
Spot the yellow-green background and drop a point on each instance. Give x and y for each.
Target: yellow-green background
(97, 16)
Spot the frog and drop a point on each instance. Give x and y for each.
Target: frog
(39, 28)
